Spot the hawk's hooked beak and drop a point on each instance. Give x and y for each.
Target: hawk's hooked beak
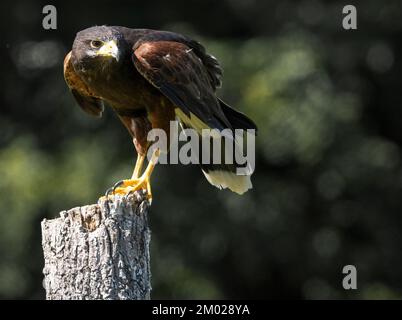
(109, 49)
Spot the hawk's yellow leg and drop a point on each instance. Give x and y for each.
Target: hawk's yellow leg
(138, 166)
(143, 182)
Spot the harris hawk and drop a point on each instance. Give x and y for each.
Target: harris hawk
(150, 78)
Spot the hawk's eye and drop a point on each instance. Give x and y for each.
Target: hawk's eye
(96, 44)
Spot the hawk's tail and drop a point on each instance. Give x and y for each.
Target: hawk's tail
(225, 175)
(223, 178)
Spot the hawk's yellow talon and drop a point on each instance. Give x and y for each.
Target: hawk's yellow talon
(130, 186)
(143, 182)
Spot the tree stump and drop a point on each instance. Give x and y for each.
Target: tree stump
(99, 251)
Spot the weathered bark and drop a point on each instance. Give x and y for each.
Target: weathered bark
(99, 251)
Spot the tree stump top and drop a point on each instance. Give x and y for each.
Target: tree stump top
(99, 251)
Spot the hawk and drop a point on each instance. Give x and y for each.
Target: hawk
(150, 78)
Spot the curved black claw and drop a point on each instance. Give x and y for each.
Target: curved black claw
(111, 190)
(108, 192)
(117, 184)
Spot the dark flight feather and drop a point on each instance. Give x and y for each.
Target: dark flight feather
(237, 119)
(177, 71)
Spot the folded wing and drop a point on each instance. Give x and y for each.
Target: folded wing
(81, 92)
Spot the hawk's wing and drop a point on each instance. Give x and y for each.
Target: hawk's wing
(181, 76)
(82, 94)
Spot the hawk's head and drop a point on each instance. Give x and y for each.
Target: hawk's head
(98, 47)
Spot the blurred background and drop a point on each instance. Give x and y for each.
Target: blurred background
(328, 181)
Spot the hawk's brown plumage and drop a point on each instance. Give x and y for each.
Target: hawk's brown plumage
(149, 78)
